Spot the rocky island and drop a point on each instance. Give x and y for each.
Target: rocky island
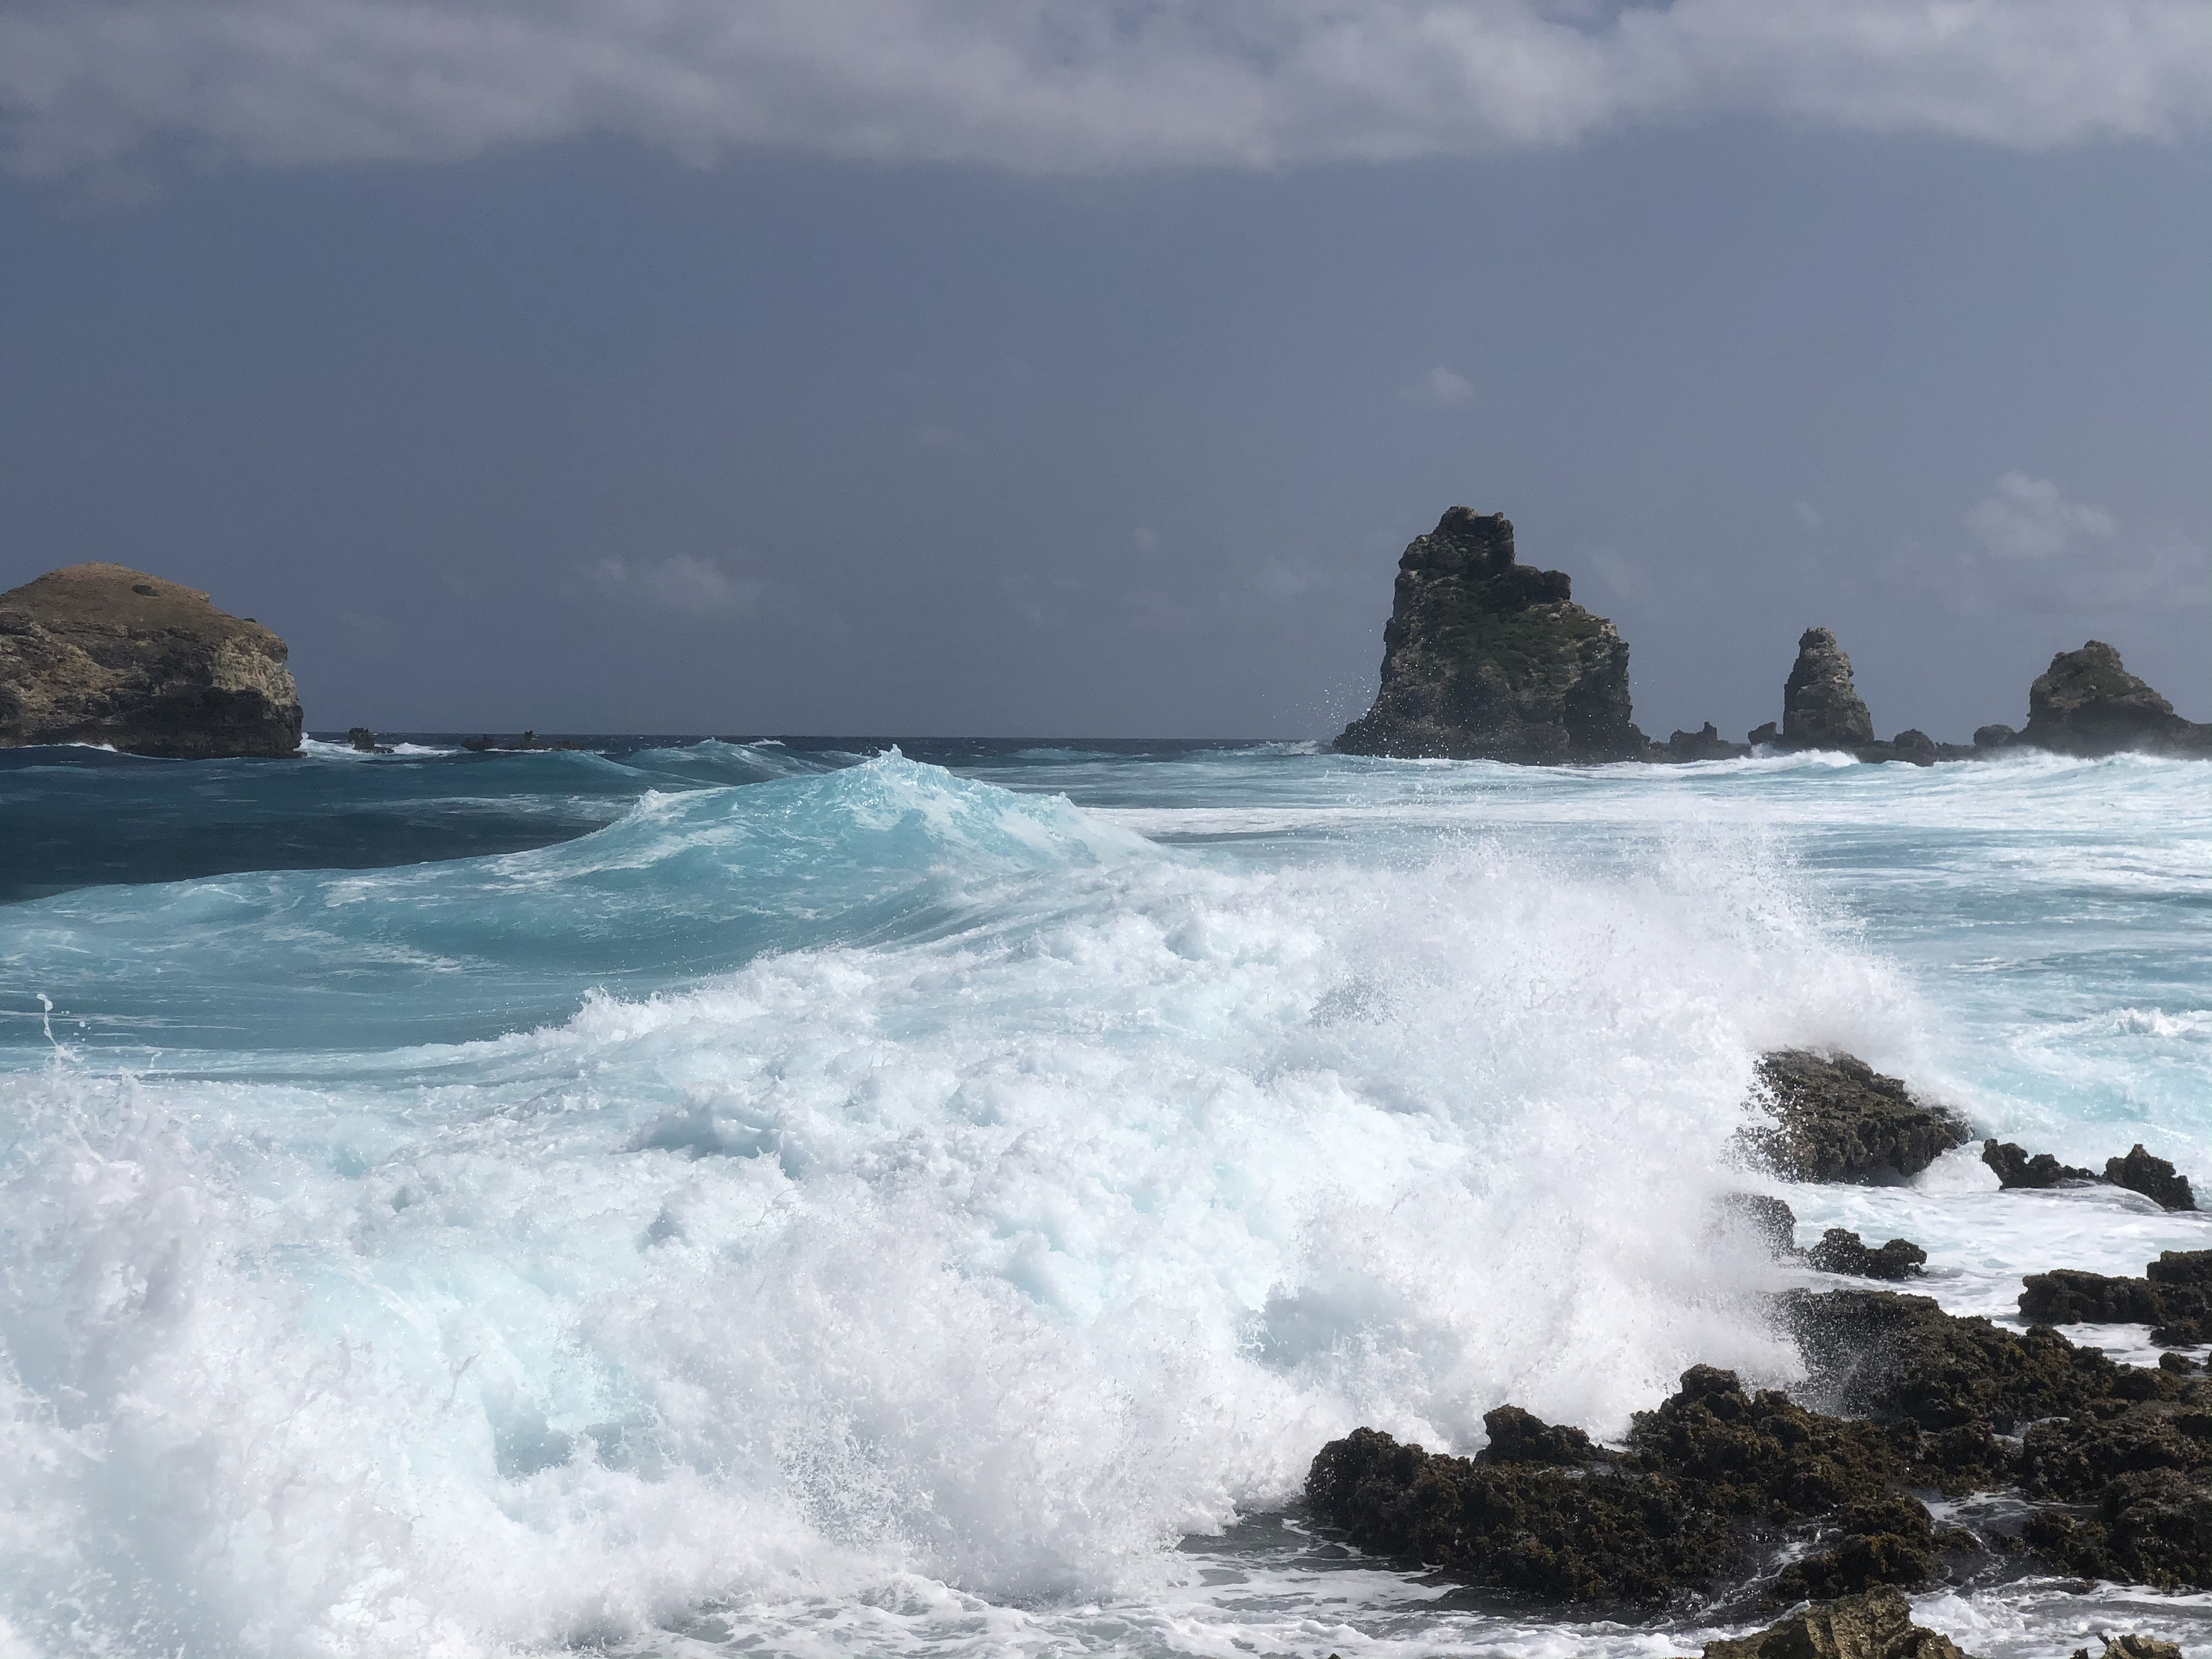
(1486, 658)
(102, 653)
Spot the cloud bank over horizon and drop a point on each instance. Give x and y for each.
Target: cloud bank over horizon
(1061, 86)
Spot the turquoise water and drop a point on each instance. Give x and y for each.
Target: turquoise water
(710, 1197)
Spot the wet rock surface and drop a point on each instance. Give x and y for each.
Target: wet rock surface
(2173, 1298)
(1877, 1624)
(1707, 1483)
(2154, 1178)
(1486, 658)
(1834, 1118)
(2088, 704)
(2014, 1168)
(100, 653)
(1724, 1492)
(1840, 1251)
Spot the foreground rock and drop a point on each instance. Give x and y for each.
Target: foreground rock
(104, 654)
(1484, 658)
(1709, 1485)
(1721, 1489)
(1875, 1626)
(1836, 1119)
(2088, 704)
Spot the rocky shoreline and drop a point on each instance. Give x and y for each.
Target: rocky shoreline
(1486, 658)
(2037, 1455)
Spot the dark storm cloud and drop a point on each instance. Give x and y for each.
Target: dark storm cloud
(1047, 86)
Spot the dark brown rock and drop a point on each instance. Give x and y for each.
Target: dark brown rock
(2088, 704)
(2154, 1178)
(1485, 659)
(1990, 738)
(1761, 1217)
(1820, 708)
(1708, 1484)
(1877, 1624)
(2014, 1169)
(1840, 1251)
(1705, 743)
(1834, 1118)
(2173, 1298)
(104, 654)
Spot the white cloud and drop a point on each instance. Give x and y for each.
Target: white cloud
(2027, 518)
(1807, 514)
(1058, 86)
(1439, 389)
(683, 585)
(2039, 552)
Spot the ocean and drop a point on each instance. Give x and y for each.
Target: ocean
(693, 1197)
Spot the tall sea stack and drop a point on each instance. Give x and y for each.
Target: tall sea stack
(1821, 707)
(105, 654)
(1487, 659)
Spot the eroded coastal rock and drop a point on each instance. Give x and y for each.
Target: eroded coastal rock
(1485, 659)
(102, 653)
(2014, 1168)
(1706, 744)
(1841, 1251)
(1724, 1492)
(2173, 1297)
(1821, 707)
(2154, 1178)
(2088, 704)
(1877, 1624)
(1835, 1118)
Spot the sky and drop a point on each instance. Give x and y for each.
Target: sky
(1021, 368)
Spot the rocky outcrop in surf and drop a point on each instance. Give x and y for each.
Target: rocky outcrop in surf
(2088, 704)
(1877, 1624)
(2139, 1172)
(1821, 707)
(102, 653)
(1841, 1251)
(1723, 1491)
(1704, 744)
(1832, 1117)
(1485, 659)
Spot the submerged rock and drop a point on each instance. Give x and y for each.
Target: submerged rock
(1820, 708)
(1840, 1251)
(1836, 1118)
(1877, 1624)
(2088, 704)
(2154, 1178)
(102, 653)
(1484, 658)
(2015, 1168)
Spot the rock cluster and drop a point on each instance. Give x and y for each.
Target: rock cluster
(2139, 1172)
(102, 653)
(2173, 1298)
(1485, 659)
(1834, 1118)
(1840, 1251)
(1720, 1487)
